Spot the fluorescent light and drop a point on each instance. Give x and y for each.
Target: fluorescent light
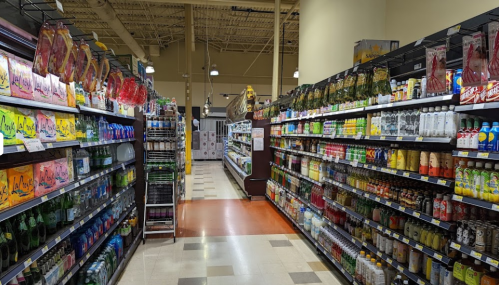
(214, 70)
(150, 69)
(296, 74)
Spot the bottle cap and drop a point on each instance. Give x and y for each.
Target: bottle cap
(488, 165)
(378, 265)
(438, 109)
(471, 163)
(493, 269)
(495, 124)
(431, 109)
(496, 166)
(461, 162)
(477, 262)
(479, 164)
(373, 260)
(445, 108)
(485, 124)
(451, 107)
(425, 109)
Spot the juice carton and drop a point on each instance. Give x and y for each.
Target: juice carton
(21, 184)
(25, 123)
(42, 88)
(72, 127)
(4, 190)
(44, 175)
(21, 80)
(45, 126)
(4, 73)
(59, 93)
(8, 125)
(62, 126)
(61, 172)
(71, 91)
(69, 158)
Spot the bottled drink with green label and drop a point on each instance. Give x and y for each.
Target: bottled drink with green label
(35, 272)
(34, 236)
(27, 276)
(68, 209)
(4, 249)
(42, 232)
(11, 241)
(22, 234)
(49, 218)
(58, 212)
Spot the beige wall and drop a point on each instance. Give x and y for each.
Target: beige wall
(328, 31)
(409, 20)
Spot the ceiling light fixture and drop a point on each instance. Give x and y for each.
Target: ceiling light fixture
(150, 68)
(296, 74)
(214, 70)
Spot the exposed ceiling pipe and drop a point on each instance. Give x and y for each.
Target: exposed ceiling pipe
(244, 3)
(249, 10)
(106, 12)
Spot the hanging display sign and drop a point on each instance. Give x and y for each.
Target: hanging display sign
(435, 69)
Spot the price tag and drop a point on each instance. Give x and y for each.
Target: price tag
(388, 232)
(377, 199)
(58, 239)
(419, 139)
(44, 198)
(495, 207)
(366, 195)
(441, 182)
(418, 42)
(424, 178)
(382, 138)
(435, 222)
(379, 228)
(462, 153)
(123, 166)
(437, 256)
(406, 174)
(458, 198)
(358, 136)
(72, 229)
(492, 261)
(59, 6)
(45, 249)
(88, 255)
(91, 215)
(82, 222)
(354, 190)
(400, 268)
(367, 137)
(453, 30)
(343, 209)
(388, 203)
(478, 106)
(396, 235)
(405, 240)
(27, 262)
(419, 247)
(416, 214)
(389, 260)
(337, 159)
(49, 145)
(343, 271)
(353, 240)
(401, 208)
(456, 246)
(399, 138)
(393, 171)
(62, 191)
(379, 253)
(476, 254)
(20, 148)
(354, 163)
(420, 282)
(364, 243)
(482, 155)
(70, 275)
(81, 263)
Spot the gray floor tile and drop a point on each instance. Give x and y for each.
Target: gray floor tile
(304, 277)
(215, 239)
(280, 243)
(193, 281)
(219, 271)
(193, 246)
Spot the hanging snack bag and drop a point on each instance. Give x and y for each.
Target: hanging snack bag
(339, 92)
(474, 60)
(325, 96)
(381, 81)
(110, 85)
(21, 80)
(349, 87)
(494, 50)
(44, 178)
(4, 73)
(118, 83)
(43, 49)
(61, 172)
(91, 76)
(68, 75)
(435, 69)
(45, 126)
(301, 101)
(61, 49)
(25, 124)
(310, 99)
(103, 72)
(21, 184)
(332, 95)
(4, 189)
(42, 88)
(83, 61)
(8, 125)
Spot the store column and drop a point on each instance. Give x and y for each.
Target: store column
(328, 31)
(188, 85)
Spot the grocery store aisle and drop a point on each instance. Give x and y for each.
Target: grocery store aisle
(228, 241)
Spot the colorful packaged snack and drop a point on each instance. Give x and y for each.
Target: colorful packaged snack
(494, 50)
(110, 86)
(43, 48)
(435, 69)
(68, 75)
(45, 126)
(118, 83)
(21, 80)
(62, 126)
(492, 91)
(471, 95)
(44, 176)
(82, 61)
(91, 76)
(42, 88)
(4, 190)
(72, 127)
(71, 93)
(474, 60)
(61, 172)
(103, 72)
(4, 73)
(61, 49)
(21, 184)
(59, 92)
(8, 125)
(25, 124)
(69, 158)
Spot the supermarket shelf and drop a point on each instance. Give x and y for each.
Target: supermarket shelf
(240, 172)
(401, 173)
(159, 232)
(430, 252)
(476, 202)
(236, 172)
(393, 205)
(12, 211)
(50, 145)
(302, 135)
(54, 240)
(354, 110)
(297, 174)
(236, 132)
(248, 143)
(401, 268)
(374, 138)
(342, 232)
(313, 241)
(414, 102)
(159, 205)
(89, 144)
(9, 100)
(348, 210)
(128, 255)
(79, 263)
(310, 205)
(94, 111)
(476, 154)
(477, 107)
(239, 151)
(484, 257)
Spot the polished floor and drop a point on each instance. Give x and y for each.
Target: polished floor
(228, 240)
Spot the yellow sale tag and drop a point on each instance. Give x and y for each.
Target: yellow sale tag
(406, 174)
(476, 254)
(482, 155)
(382, 138)
(416, 214)
(441, 182)
(388, 203)
(437, 256)
(419, 247)
(400, 268)
(458, 198)
(495, 207)
(399, 138)
(405, 240)
(401, 208)
(456, 246)
(424, 178)
(462, 153)
(492, 261)
(419, 139)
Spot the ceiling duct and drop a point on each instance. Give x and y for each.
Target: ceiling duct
(106, 12)
(154, 50)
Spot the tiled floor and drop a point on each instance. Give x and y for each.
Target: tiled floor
(232, 241)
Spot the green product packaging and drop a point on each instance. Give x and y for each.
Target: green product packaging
(485, 181)
(472, 277)
(8, 125)
(459, 271)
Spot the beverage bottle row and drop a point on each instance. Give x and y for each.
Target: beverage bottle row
(472, 272)
(482, 235)
(477, 180)
(341, 249)
(97, 129)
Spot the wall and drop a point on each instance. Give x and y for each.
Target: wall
(328, 31)
(404, 21)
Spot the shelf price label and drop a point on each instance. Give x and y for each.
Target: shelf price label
(406, 174)
(400, 268)
(44, 198)
(390, 260)
(424, 178)
(72, 229)
(456, 246)
(419, 139)
(396, 236)
(420, 282)
(437, 256)
(388, 232)
(379, 253)
(476, 254)
(399, 138)
(492, 261)
(27, 262)
(364, 244)
(435, 222)
(495, 207)
(377, 199)
(482, 155)
(458, 198)
(401, 208)
(419, 247)
(441, 182)
(58, 239)
(405, 240)
(416, 214)
(388, 203)
(45, 249)
(463, 154)
(379, 228)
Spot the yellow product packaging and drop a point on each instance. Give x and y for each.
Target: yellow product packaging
(8, 125)
(69, 158)
(459, 271)
(473, 277)
(71, 91)
(25, 124)
(21, 184)
(4, 74)
(62, 126)
(72, 127)
(4, 190)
